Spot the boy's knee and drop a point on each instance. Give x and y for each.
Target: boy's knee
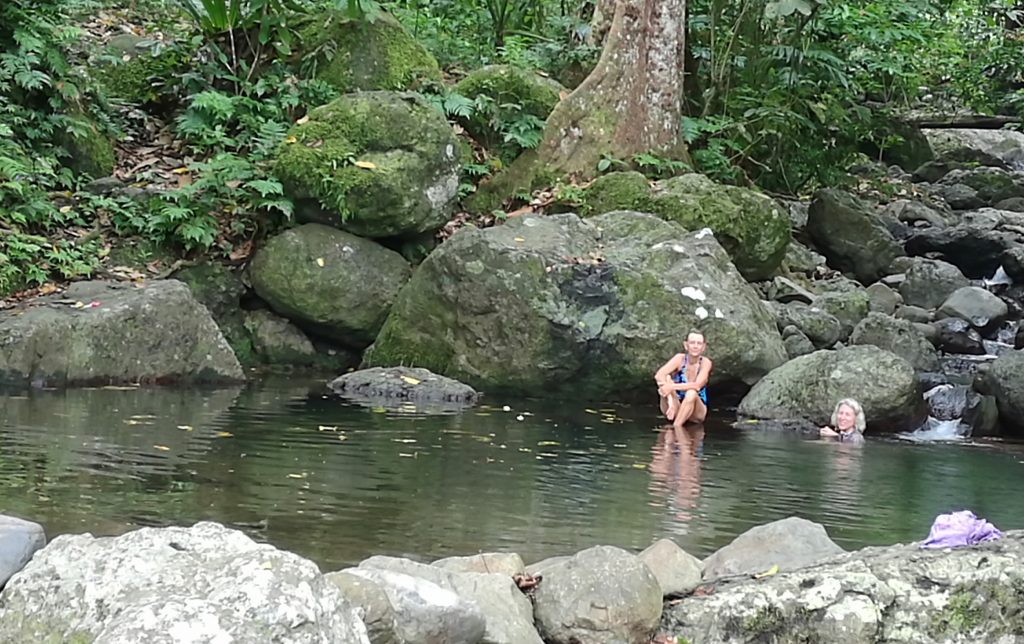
(691, 395)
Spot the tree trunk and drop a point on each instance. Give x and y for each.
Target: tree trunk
(604, 11)
(633, 100)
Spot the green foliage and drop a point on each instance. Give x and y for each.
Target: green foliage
(514, 127)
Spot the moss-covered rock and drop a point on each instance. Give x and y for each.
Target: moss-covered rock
(618, 191)
(89, 149)
(377, 164)
(356, 55)
(135, 68)
(534, 94)
(542, 305)
(329, 282)
(278, 341)
(750, 226)
(220, 290)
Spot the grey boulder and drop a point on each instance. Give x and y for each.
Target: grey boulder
(112, 332)
(789, 543)
(19, 540)
(166, 585)
(602, 595)
(976, 305)
(507, 613)
(677, 571)
(809, 387)
(899, 337)
(851, 235)
(929, 282)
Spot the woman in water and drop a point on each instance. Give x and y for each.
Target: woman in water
(683, 381)
(847, 421)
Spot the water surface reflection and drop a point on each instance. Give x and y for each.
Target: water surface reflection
(337, 482)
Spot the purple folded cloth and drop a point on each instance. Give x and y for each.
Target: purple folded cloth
(960, 529)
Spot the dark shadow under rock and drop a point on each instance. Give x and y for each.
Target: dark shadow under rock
(393, 386)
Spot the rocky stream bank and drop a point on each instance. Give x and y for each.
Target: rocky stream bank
(781, 582)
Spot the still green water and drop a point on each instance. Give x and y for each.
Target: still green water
(337, 482)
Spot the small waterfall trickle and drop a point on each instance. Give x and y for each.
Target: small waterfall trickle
(938, 430)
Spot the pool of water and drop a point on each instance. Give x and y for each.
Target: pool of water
(338, 482)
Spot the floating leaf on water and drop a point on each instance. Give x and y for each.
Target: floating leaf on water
(525, 449)
(483, 439)
(342, 437)
(298, 476)
(506, 408)
(403, 440)
(379, 410)
(410, 380)
(224, 434)
(483, 413)
(327, 428)
(187, 428)
(162, 448)
(590, 411)
(546, 443)
(640, 466)
(619, 445)
(547, 454)
(407, 455)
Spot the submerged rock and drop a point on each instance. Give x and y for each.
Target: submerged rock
(543, 305)
(402, 384)
(111, 332)
(894, 594)
(204, 583)
(377, 164)
(810, 386)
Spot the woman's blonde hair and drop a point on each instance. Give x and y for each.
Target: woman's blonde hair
(859, 424)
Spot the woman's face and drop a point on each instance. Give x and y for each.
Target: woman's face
(845, 418)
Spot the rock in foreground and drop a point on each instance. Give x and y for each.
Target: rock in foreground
(111, 332)
(200, 584)
(894, 594)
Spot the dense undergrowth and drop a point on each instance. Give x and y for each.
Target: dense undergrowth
(783, 94)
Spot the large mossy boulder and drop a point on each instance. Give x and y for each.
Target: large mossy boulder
(377, 164)
(362, 55)
(851, 236)
(542, 305)
(533, 94)
(110, 332)
(810, 386)
(751, 227)
(329, 282)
